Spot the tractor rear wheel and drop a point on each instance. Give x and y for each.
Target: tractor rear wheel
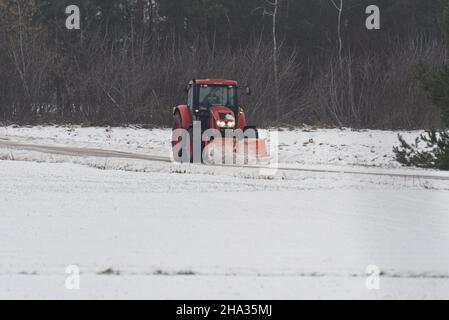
(177, 124)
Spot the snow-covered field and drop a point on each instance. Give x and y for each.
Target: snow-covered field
(196, 232)
(298, 146)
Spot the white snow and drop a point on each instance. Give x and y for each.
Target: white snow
(169, 231)
(234, 237)
(221, 287)
(152, 141)
(298, 146)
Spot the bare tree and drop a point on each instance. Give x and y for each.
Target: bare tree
(275, 5)
(134, 72)
(339, 8)
(271, 9)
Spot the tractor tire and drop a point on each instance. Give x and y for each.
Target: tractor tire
(252, 128)
(177, 124)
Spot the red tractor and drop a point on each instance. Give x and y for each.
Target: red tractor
(212, 124)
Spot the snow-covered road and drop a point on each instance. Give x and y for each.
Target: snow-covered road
(159, 230)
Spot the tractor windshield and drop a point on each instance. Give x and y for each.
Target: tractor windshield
(211, 95)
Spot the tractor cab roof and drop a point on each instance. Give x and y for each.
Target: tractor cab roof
(215, 82)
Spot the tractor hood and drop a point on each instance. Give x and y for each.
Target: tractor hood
(222, 113)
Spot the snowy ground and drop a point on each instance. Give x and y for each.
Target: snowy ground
(195, 232)
(299, 146)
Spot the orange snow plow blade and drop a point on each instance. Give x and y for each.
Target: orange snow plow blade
(233, 151)
(257, 147)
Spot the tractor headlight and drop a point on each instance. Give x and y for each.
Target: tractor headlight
(231, 124)
(221, 124)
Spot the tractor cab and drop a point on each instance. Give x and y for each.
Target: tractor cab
(214, 103)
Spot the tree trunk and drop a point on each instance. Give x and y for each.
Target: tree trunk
(275, 62)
